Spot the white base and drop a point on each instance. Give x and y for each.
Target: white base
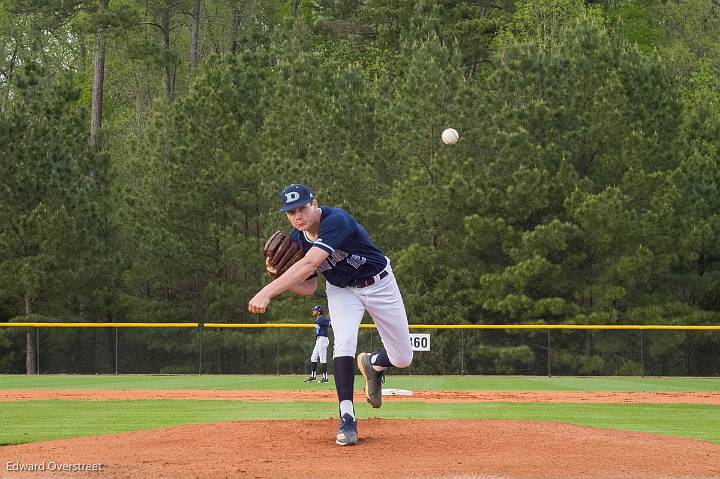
(396, 392)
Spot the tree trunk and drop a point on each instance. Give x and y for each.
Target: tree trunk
(30, 364)
(234, 25)
(194, 34)
(98, 77)
(168, 74)
(9, 72)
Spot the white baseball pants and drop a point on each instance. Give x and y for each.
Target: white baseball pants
(382, 300)
(320, 350)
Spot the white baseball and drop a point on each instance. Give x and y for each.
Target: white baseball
(450, 136)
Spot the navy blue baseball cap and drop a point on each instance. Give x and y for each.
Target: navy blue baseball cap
(295, 196)
(318, 308)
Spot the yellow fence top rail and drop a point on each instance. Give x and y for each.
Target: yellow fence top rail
(564, 326)
(366, 326)
(98, 325)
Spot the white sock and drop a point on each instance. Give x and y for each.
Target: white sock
(346, 407)
(375, 367)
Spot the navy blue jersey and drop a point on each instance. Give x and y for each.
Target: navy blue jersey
(321, 326)
(352, 254)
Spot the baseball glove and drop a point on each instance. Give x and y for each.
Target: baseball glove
(280, 253)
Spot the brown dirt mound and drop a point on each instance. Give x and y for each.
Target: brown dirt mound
(388, 449)
(330, 395)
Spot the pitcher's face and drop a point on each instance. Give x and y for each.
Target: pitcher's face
(303, 217)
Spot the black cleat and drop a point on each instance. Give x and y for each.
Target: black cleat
(311, 380)
(324, 380)
(347, 434)
(373, 380)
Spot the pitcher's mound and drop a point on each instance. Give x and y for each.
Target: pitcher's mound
(388, 449)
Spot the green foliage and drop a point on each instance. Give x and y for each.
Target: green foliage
(584, 187)
(199, 164)
(47, 183)
(690, 33)
(559, 156)
(503, 360)
(378, 29)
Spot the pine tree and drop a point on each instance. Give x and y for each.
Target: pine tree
(49, 177)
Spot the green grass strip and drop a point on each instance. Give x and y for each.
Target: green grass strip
(474, 383)
(30, 421)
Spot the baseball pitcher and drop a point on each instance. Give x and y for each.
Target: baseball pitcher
(359, 278)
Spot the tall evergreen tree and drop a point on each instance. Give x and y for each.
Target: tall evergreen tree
(195, 205)
(424, 177)
(48, 177)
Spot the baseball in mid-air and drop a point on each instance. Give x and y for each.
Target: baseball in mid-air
(450, 136)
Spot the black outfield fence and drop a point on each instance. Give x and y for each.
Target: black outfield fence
(219, 348)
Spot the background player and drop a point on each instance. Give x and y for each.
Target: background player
(359, 278)
(321, 345)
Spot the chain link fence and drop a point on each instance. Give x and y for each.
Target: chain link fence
(205, 350)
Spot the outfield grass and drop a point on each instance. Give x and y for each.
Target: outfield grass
(474, 383)
(30, 421)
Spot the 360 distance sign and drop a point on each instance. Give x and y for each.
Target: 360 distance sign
(420, 342)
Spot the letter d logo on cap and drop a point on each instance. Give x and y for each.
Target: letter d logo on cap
(294, 196)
